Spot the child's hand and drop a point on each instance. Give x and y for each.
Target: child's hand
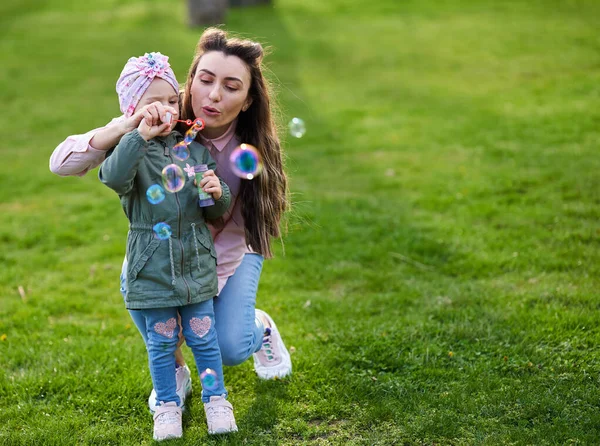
(149, 120)
(150, 131)
(210, 184)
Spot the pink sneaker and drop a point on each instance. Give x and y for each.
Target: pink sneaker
(219, 416)
(167, 422)
(273, 360)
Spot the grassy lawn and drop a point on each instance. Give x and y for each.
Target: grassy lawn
(440, 278)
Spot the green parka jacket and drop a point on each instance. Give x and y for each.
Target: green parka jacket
(180, 270)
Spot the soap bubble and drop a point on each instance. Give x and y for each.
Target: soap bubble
(173, 179)
(162, 231)
(181, 151)
(188, 138)
(209, 379)
(245, 161)
(297, 127)
(155, 194)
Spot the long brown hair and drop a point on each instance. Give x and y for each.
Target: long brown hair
(266, 197)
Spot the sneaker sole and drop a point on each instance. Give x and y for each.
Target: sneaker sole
(276, 372)
(222, 431)
(168, 437)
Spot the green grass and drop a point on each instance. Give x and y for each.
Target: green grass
(447, 199)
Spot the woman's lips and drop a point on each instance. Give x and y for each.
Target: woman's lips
(209, 111)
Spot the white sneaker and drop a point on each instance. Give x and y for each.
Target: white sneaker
(273, 360)
(219, 416)
(184, 387)
(167, 422)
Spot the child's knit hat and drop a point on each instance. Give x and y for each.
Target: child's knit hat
(138, 74)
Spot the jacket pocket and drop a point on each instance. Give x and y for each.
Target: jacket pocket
(139, 261)
(203, 264)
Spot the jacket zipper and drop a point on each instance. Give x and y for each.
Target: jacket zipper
(189, 300)
(187, 287)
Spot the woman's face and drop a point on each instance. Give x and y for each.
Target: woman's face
(219, 91)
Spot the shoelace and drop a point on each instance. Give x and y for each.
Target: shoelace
(218, 411)
(266, 345)
(167, 418)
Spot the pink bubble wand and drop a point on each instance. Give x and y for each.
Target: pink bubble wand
(180, 150)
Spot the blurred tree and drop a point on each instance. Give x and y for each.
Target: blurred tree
(206, 12)
(212, 12)
(248, 2)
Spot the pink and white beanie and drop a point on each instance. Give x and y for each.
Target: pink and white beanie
(138, 74)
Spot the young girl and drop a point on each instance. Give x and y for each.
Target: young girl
(171, 257)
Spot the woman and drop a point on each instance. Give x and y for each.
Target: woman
(226, 88)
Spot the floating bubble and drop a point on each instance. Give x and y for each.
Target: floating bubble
(209, 379)
(297, 127)
(189, 137)
(180, 151)
(155, 194)
(245, 161)
(162, 231)
(173, 179)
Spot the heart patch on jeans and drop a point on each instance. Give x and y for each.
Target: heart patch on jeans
(200, 326)
(166, 329)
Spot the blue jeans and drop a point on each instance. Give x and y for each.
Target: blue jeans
(238, 334)
(162, 331)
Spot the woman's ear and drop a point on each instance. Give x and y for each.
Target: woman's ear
(247, 105)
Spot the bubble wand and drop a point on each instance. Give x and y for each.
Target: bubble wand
(180, 150)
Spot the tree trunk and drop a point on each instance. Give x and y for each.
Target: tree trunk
(248, 2)
(206, 12)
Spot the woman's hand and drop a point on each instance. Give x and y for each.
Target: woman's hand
(210, 184)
